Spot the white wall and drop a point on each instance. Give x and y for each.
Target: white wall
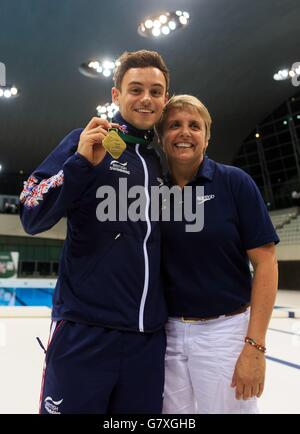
(11, 225)
(288, 252)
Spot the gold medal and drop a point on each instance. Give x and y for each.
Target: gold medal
(113, 143)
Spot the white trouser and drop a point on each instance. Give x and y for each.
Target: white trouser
(200, 362)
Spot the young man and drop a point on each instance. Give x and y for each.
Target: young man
(107, 344)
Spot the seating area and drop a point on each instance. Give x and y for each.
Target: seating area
(287, 225)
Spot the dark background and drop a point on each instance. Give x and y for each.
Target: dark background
(226, 56)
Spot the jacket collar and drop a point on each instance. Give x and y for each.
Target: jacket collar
(133, 134)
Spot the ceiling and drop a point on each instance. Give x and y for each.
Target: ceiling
(226, 56)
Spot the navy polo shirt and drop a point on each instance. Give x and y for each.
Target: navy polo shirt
(207, 273)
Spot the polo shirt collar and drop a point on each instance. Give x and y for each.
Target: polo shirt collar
(206, 170)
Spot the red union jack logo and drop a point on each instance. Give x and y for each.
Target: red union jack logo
(34, 191)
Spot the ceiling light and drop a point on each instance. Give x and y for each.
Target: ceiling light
(288, 73)
(106, 72)
(172, 25)
(6, 91)
(156, 23)
(107, 64)
(163, 24)
(14, 91)
(155, 31)
(101, 109)
(107, 111)
(183, 20)
(98, 69)
(148, 24)
(163, 19)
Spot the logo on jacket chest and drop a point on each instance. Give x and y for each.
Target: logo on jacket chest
(117, 166)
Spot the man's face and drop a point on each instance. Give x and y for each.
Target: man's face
(142, 96)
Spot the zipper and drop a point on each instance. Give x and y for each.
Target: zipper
(146, 258)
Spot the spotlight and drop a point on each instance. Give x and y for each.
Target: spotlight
(155, 31)
(291, 73)
(6, 91)
(165, 30)
(163, 19)
(107, 111)
(163, 24)
(148, 24)
(98, 69)
(106, 72)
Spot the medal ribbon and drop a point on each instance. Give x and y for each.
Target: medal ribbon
(132, 139)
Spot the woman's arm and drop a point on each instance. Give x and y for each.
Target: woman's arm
(249, 374)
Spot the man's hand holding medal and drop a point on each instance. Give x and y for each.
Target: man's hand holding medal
(98, 137)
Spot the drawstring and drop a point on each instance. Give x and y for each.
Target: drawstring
(41, 344)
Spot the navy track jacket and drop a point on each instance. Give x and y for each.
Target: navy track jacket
(109, 272)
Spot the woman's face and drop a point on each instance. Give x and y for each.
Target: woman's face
(184, 137)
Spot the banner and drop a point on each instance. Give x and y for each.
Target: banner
(8, 264)
(8, 270)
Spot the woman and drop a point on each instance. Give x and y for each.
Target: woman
(215, 361)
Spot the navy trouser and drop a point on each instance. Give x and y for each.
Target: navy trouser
(90, 369)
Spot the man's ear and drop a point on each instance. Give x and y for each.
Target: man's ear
(115, 95)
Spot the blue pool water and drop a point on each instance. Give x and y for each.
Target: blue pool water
(26, 296)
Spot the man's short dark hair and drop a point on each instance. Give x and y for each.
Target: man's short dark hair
(139, 59)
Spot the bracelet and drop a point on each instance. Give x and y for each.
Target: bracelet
(255, 344)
